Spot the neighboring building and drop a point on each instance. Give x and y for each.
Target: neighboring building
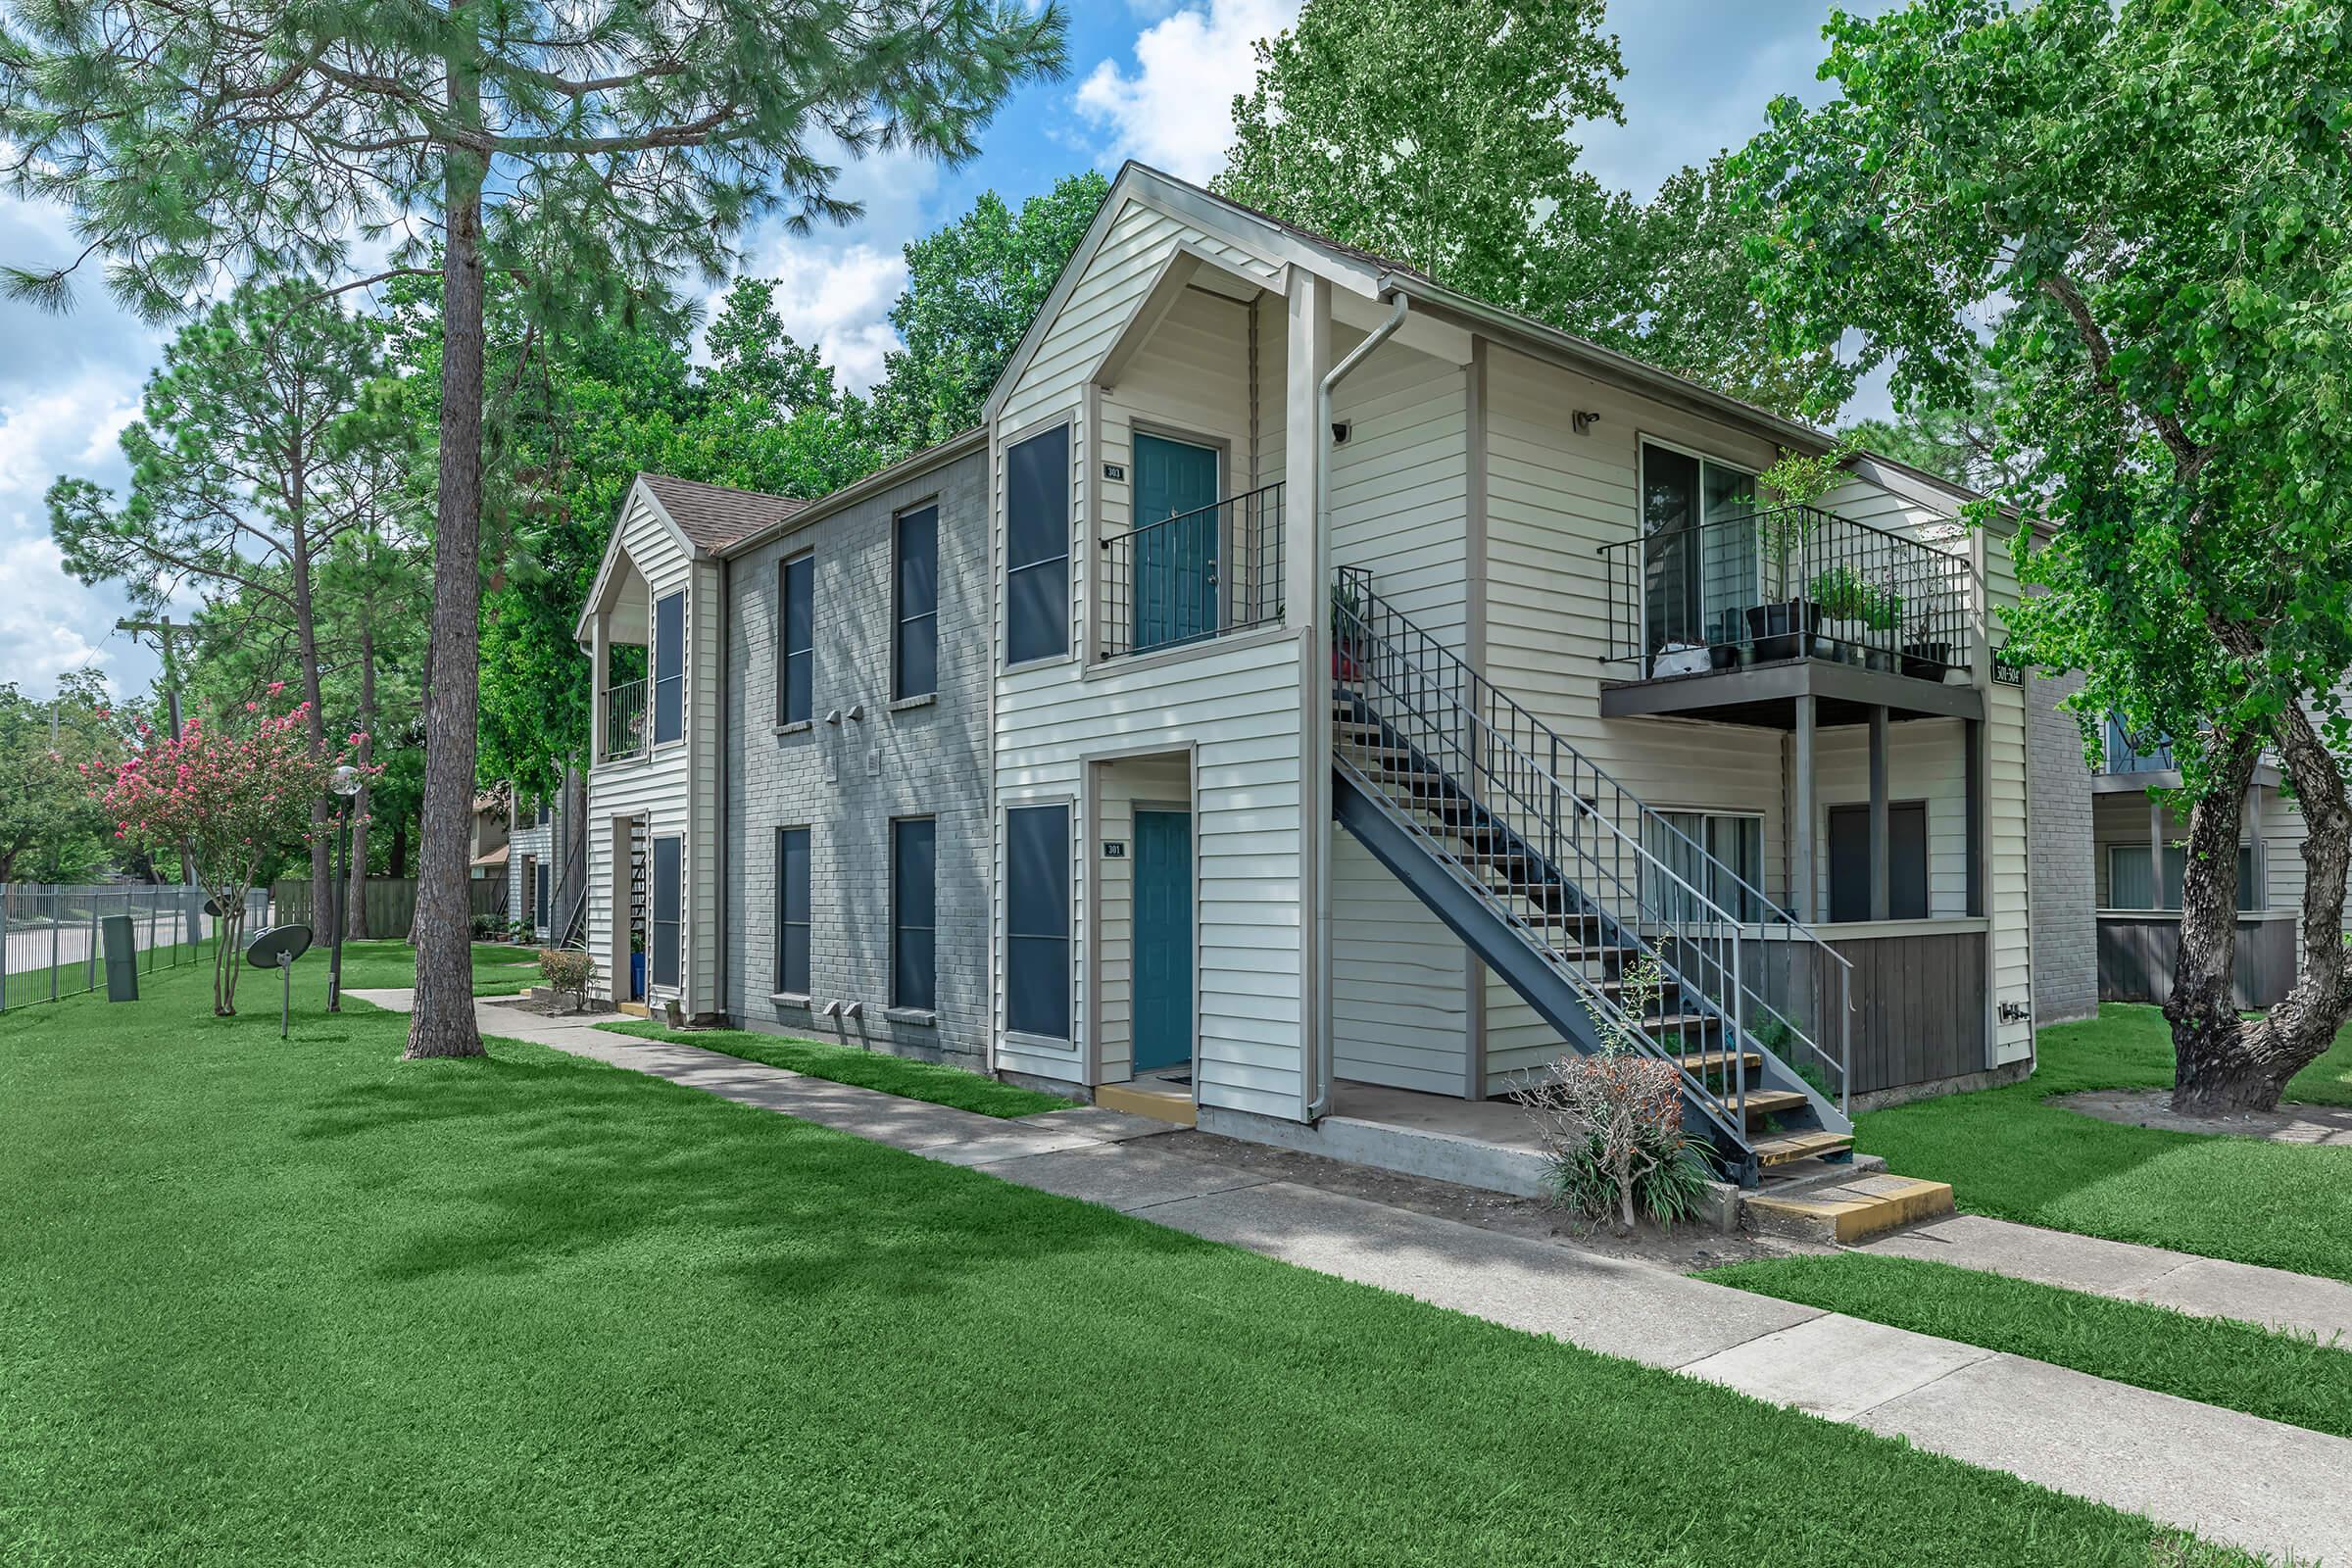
(1574, 718)
(2137, 863)
(531, 865)
(486, 860)
(855, 765)
(787, 812)
(2066, 950)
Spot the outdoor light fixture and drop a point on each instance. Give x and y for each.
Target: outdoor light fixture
(1583, 421)
(346, 783)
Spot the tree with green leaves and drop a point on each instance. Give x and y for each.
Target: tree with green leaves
(1952, 439)
(972, 288)
(254, 460)
(588, 153)
(1440, 137)
(51, 828)
(2147, 202)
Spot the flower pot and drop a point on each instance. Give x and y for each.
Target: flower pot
(1843, 637)
(1724, 655)
(1925, 661)
(636, 976)
(1346, 664)
(1783, 630)
(1881, 660)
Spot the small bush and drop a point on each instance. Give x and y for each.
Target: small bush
(567, 969)
(487, 927)
(1612, 1125)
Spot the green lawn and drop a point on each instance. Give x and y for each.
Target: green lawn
(2010, 1155)
(868, 1069)
(2241, 1366)
(270, 1304)
(499, 969)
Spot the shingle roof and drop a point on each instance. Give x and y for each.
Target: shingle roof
(715, 516)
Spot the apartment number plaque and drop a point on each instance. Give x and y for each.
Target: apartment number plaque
(1114, 850)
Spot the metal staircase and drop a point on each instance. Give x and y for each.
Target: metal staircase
(1565, 883)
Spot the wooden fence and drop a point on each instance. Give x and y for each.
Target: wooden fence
(391, 903)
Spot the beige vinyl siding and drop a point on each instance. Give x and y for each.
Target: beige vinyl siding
(662, 789)
(2121, 817)
(1401, 1012)
(2008, 859)
(1154, 781)
(1237, 706)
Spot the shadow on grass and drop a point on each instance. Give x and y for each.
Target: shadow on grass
(547, 1160)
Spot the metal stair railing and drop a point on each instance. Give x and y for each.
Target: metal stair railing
(1728, 955)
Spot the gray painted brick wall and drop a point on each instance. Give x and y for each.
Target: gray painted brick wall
(2066, 938)
(847, 781)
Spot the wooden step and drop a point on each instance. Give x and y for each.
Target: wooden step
(1849, 1210)
(1763, 1102)
(1145, 1097)
(1789, 1146)
(1699, 1062)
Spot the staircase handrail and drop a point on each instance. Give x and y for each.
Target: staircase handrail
(1355, 603)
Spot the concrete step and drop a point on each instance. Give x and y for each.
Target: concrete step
(634, 1009)
(1155, 1100)
(1845, 1211)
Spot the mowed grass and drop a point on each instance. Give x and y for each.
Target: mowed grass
(499, 969)
(936, 1081)
(274, 1302)
(2009, 1155)
(2241, 1366)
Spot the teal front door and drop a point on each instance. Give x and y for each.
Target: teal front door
(1164, 939)
(1175, 589)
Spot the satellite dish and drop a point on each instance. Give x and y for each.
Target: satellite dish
(211, 907)
(277, 947)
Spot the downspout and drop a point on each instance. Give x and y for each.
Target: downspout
(724, 834)
(1318, 717)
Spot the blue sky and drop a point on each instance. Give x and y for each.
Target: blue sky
(1150, 80)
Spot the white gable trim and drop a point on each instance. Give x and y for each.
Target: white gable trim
(584, 629)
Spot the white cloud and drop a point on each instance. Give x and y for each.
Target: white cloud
(1175, 110)
(49, 624)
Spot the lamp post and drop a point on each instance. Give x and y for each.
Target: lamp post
(347, 782)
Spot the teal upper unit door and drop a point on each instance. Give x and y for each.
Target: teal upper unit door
(1179, 527)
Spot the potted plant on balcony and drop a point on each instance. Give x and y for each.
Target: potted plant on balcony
(1350, 639)
(1838, 595)
(1786, 629)
(1926, 656)
(636, 967)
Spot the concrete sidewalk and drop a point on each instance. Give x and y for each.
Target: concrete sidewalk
(2207, 1287)
(2146, 1452)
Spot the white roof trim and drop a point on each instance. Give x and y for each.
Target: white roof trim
(582, 629)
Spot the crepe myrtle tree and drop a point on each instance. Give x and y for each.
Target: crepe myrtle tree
(588, 151)
(2137, 214)
(237, 796)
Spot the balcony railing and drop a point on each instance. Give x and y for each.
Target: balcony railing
(625, 720)
(1794, 583)
(1199, 574)
(2126, 756)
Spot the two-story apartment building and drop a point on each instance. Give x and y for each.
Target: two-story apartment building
(787, 805)
(1384, 681)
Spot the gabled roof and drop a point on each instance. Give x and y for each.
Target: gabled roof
(1382, 276)
(713, 517)
(910, 466)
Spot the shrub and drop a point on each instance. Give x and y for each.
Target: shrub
(1611, 1124)
(487, 927)
(567, 969)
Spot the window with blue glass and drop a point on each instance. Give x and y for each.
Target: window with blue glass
(915, 605)
(792, 910)
(1037, 547)
(670, 668)
(795, 669)
(1036, 921)
(913, 912)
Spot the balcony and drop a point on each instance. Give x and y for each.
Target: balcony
(1736, 619)
(624, 721)
(1195, 576)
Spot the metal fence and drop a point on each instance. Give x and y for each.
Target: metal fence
(52, 941)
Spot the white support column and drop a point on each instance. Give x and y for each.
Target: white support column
(600, 647)
(1307, 608)
(2261, 867)
(1802, 883)
(2156, 851)
(1881, 869)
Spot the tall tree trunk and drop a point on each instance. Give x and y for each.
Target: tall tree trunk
(355, 890)
(443, 1024)
(306, 640)
(2245, 1064)
(2203, 1008)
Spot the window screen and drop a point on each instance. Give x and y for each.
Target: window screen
(669, 667)
(2127, 877)
(792, 910)
(915, 657)
(1037, 547)
(795, 671)
(665, 961)
(914, 895)
(1906, 861)
(1036, 921)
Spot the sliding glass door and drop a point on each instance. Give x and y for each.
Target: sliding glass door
(1700, 557)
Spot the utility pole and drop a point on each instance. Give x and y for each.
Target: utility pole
(165, 636)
